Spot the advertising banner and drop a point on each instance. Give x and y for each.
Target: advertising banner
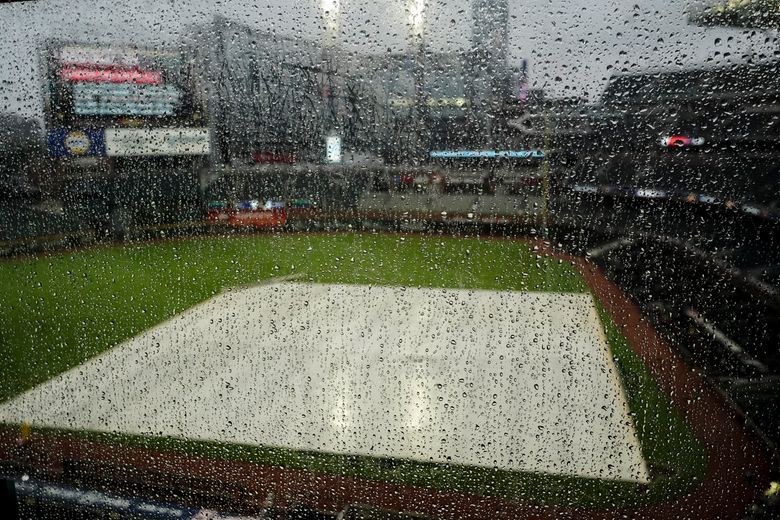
(123, 92)
(92, 56)
(110, 75)
(91, 86)
(89, 142)
(258, 218)
(486, 154)
(123, 109)
(124, 99)
(157, 141)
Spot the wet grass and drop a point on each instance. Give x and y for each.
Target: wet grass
(56, 312)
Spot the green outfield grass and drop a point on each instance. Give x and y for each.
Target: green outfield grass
(58, 311)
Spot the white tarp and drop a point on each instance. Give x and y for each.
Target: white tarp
(513, 380)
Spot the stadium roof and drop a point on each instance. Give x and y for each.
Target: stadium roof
(759, 79)
(757, 14)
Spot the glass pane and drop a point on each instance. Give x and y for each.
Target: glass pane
(402, 259)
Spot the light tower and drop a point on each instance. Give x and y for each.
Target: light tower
(416, 12)
(488, 64)
(331, 14)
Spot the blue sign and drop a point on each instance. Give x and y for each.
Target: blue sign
(486, 154)
(89, 142)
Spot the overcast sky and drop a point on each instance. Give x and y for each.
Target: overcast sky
(572, 46)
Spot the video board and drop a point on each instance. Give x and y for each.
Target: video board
(90, 86)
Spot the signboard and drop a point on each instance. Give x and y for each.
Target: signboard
(93, 86)
(90, 108)
(92, 56)
(157, 141)
(88, 142)
(124, 99)
(109, 56)
(333, 149)
(258, 218)
(123, 92)
(446, 101)
(110, 75)
(486, 154)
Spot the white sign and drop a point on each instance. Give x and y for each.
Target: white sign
(106, 56)
(78, 55)
(157, 141)
(333, 149)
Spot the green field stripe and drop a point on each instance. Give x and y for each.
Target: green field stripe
(675, 457)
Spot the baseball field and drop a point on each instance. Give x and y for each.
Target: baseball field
(483, 366)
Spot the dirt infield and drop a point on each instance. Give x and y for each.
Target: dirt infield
(737, 471)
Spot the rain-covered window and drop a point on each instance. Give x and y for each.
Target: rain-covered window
(333, 259)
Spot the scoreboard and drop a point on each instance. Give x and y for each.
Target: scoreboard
(104, 101)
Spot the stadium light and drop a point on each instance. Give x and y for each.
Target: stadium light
(331, 12)
(416, 11)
